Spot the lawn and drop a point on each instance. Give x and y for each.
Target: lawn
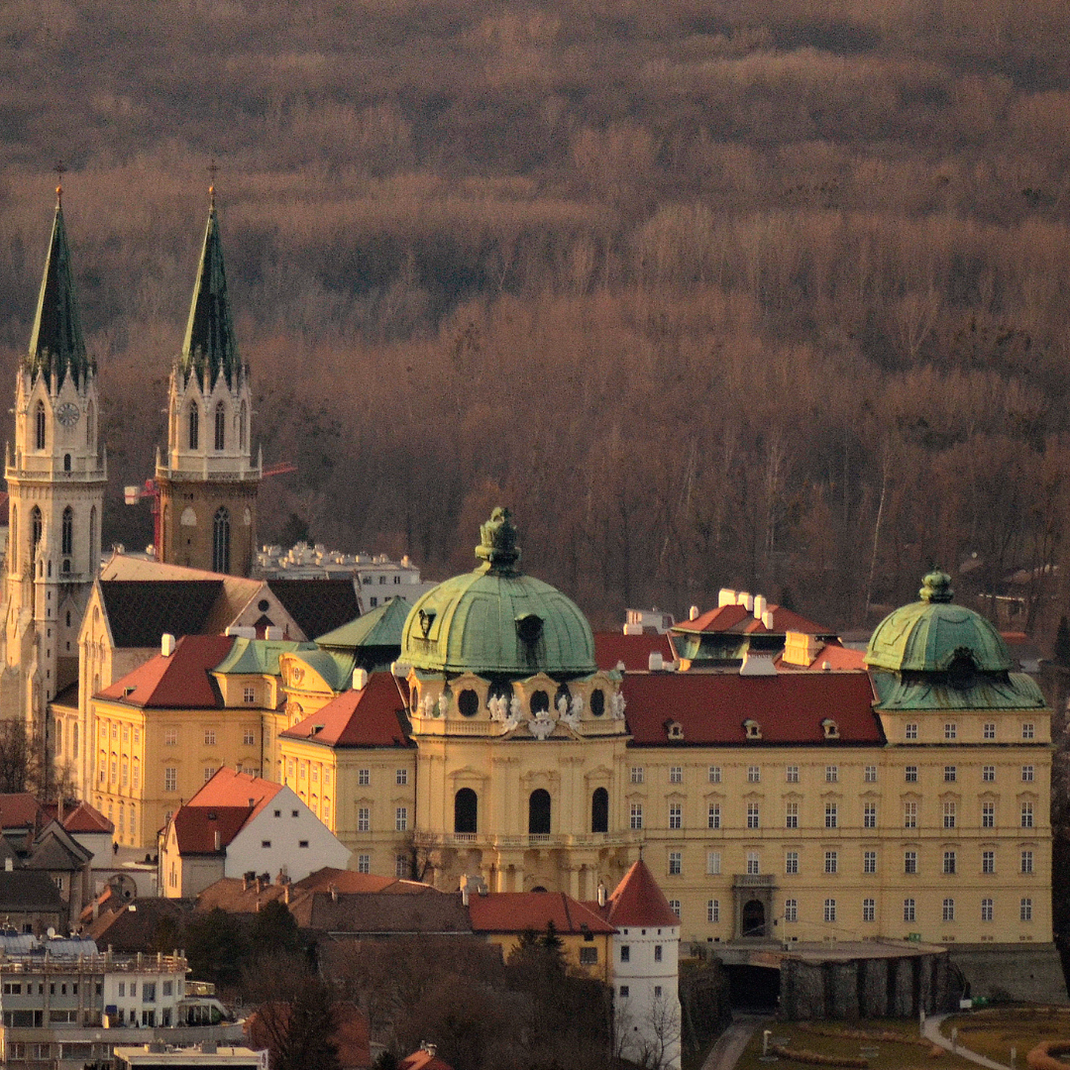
(994, 1031)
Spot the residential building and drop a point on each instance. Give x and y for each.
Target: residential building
(160, 1056)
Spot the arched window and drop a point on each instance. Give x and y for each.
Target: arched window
(14, 537)
(94, 541)
(539, 813)
(67, 532)
(39, 420)
(74, 741)
(221, 541)
(465, 810)
(194, 426)
(242, 417)
(600, 810)
(35, 530)
(220, 426)
(66, 462)
(59, 737)
(89, 424)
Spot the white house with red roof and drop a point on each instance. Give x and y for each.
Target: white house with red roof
(646, 967)
(237, 824)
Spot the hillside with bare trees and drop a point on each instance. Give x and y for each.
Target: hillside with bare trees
(768, 295)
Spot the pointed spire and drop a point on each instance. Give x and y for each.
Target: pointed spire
(210, 348)
(56, 343)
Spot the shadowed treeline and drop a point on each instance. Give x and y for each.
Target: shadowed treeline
(749, 294)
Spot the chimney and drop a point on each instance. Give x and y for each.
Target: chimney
(218, 841)
(464, 894)
(760, 606)
(692, 613)
(746, 600)
(655, 663)
(601, 894)
(429, 1048)
(726, 597)
(334, 893)
(360, 679)
(167, 644)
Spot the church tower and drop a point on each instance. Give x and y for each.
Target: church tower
(207, 481)
(55, 479)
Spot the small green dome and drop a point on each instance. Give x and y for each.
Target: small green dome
(932, 635)
(497, 621)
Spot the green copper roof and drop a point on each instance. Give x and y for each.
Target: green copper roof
(210, 348)
(258, 656)
(381, 627)
(928, 636)
(335, 668)
(56, 343)
(1014, 691)
(497, 621)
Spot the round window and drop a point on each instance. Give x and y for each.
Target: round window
(468, 703)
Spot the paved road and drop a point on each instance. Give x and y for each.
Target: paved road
(729, 1046)
(932, 1032)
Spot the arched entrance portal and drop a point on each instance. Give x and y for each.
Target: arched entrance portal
(753, 921)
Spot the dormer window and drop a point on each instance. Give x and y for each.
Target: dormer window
(674, 729)
(752, 729)
(830, 728)
(529, 628)
(962, 672)
(426, 620)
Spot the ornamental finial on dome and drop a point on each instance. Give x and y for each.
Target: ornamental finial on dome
(936, 587)
(498, 542)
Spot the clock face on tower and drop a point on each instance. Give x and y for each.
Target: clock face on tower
(68, 414)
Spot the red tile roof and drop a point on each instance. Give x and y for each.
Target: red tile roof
(196, 827)
(638, 900)
(20, 810)
(839, 658)
(86, 818)
(423, 1060)
(371, 717)
(516, 912)
(348, 881)
(229, 787)
(738, 619)
(180, 681)
(711, 707)
(610, 648)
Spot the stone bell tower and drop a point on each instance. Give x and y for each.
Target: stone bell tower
(207, 480)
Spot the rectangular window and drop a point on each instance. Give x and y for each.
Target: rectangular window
(949, 910)
(791, 909)
(715, 774)
(401, 819)
(753, 864)
(830, 910)
(988, 815)
(752, 815)
(637, 774)
(364, 863)
(209, 772)
(170, 778)
(949, 861)
(869, 816)
(831, 816)
(676, 863)
(713, 863)
(908, 910)
(1025, 909)
(266, 844)
(832, 862)
(588, 956)
(869, 774)
(910, 815)
(869, 909)
(364, 777)
(910, 861)
(624, 991)
(949, 815)
(676, 774)
(911, 776)
(869, 861)
(713, 911)
(951, 730)
(951, 773)
(1027, 861)
(988, 861)
(1028, 773)
(910, 731)
(791, 816)
(209, 737)
(401, 776)
(1027, 815)
(249, 694)
(988, 774)
(754, 774)
(674, 906)
(676, 816)
(987, 911)
(714, 817)
(791, 862)
(1028, 730)
(137, 774)
(792, 774)
(364, 819)
(402, 869)
(832, 774)
(989, 730)
(637, 815)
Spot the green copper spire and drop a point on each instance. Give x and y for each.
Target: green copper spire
(56, 343)
(210, 348)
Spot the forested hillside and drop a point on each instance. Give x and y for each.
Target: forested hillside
(750, 293)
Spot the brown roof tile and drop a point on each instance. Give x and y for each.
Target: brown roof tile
(515, 912)
(611, 648)
(371, 717)
(181, 680)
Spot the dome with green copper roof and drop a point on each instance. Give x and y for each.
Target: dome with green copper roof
(495, 621)
(934, 635)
